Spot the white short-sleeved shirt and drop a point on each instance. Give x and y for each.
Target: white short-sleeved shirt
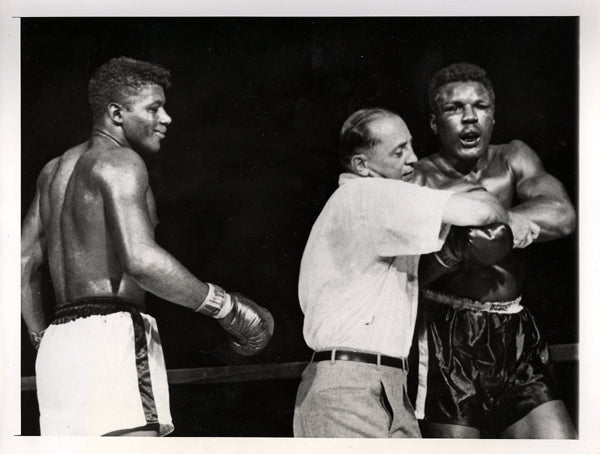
(358, 284)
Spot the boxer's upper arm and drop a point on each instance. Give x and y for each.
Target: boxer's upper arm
(34, 255)
(124, 186)
(33, 237)
(532, 180)
(541, 196)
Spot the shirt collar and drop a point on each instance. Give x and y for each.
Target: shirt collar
(347, 176)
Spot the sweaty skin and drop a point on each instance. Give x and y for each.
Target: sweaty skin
(83, 257)
(91, 259)
(514, 175)
(93, 219)
(538, 209)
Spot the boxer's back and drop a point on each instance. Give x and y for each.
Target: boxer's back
(53, 182)
(82, 257)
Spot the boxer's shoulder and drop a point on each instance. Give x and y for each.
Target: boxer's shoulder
(49, 169)
(518, 156)
(424, 169)
(510, 150)
(117, 162)
(426, 163)
(67, 160)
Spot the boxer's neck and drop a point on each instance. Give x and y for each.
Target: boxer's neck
(96, 132)
(461, 167)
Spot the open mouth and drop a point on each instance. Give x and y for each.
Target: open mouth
(469, 139)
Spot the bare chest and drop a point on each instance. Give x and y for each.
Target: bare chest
(495, 177)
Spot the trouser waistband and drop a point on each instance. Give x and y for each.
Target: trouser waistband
(361, 357)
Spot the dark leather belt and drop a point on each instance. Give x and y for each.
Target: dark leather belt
(370, 358)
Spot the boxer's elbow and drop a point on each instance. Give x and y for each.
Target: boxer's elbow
(567, 220)
(31, 267)
(557, 220)
(139, 263)
(489, 213)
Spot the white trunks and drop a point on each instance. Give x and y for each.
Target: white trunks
(102, 374)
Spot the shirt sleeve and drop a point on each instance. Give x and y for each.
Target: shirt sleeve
(404, 218)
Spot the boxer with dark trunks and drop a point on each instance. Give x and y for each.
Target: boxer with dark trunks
(357, 286)
(483, 364)
(100, 367)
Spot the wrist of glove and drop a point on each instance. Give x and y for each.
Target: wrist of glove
(481, 246)
(249, 325)
(217, 303)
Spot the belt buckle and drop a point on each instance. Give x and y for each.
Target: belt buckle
(332, 359)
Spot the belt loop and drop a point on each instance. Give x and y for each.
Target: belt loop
(332, 360)
(378, 362)
(312, 357)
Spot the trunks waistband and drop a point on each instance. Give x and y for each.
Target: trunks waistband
(96, 305)
(458, 302)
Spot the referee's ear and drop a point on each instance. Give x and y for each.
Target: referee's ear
(359, 164)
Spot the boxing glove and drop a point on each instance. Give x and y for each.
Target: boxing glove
(250, 326)
(481, 246)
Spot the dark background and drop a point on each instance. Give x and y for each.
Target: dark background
(249, 159)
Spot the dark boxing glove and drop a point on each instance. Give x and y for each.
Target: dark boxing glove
(481, 246)
(250, 326)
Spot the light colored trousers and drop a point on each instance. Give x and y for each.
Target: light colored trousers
(351, 399)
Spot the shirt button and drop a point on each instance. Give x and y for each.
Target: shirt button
(411, 277)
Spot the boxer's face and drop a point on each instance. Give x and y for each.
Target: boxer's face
(464, 120)
(145, 119)
(392, 156)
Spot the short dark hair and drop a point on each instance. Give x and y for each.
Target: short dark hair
(120, 78)
(356, 136)
(457, 72)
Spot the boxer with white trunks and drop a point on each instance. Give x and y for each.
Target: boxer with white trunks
(100, 367)
(483, 364)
